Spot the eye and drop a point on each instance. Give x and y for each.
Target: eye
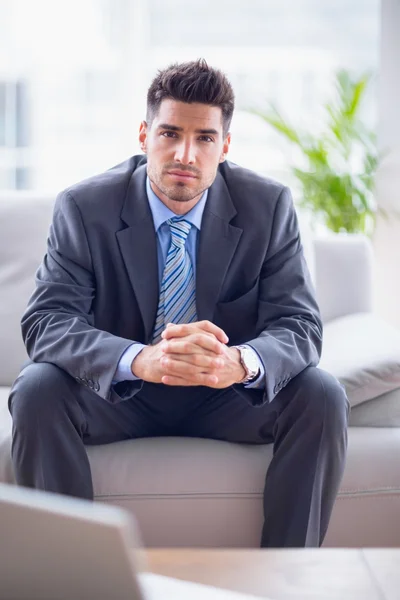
(169, 134)
(206, 138)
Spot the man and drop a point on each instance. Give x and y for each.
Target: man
(174, 299)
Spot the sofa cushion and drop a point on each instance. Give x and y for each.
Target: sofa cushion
(6, 471)
(24, 224)
(307, 241)
(363, 352)
(383, 411)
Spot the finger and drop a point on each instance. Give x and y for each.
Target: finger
(201, 379)
(215, 330)
(198, 360)
(171, 380)
(185, 329)
(182, 368)
(182, 330)
(193, 344)
(202, 326)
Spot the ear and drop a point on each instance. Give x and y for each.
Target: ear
(225, 148)
(143, 136)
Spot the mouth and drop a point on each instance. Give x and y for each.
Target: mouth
(181, 175)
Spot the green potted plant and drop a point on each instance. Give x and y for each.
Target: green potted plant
(337, 181)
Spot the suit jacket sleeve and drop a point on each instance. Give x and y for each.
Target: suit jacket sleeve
(58, 324)
(288, 314)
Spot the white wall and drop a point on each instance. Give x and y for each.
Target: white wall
(387, 235)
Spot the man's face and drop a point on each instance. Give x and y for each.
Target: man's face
(184, 147)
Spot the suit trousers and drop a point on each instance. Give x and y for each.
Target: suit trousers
(54, 417)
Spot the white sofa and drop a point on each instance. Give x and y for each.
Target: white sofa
(196, 492)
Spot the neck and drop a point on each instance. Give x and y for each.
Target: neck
(177, 207)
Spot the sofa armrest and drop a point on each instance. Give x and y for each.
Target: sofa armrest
(343, 275)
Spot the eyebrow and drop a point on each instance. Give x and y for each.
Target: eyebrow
(176, 128)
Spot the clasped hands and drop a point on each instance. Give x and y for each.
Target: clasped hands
(190, 354)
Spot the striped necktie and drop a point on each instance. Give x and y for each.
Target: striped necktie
(177, 303)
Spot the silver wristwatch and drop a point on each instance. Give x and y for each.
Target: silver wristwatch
(250, 363)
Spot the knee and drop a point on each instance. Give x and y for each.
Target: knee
(325, 396)
(35, 392)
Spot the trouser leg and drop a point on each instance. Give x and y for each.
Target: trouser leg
(307, 423)
(54, 417)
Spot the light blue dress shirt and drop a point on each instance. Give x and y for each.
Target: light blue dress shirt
(161, 214)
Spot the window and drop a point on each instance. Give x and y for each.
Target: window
(14, 134)
(73, 86)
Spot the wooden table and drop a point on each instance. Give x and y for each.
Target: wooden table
(283, 574)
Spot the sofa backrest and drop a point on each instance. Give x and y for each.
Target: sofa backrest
(24, 225)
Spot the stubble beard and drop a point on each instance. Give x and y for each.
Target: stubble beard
(179, 192)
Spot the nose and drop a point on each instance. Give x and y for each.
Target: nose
(185, 153)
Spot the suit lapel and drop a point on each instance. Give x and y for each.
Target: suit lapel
(138, 245)
(217, 245)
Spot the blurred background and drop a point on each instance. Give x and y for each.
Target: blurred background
(74, 76)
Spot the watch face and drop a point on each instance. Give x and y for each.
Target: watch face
(250, 360)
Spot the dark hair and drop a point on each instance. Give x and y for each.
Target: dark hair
(190, 82)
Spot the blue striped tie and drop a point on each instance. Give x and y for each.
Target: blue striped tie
(177, 302)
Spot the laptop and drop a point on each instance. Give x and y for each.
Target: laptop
(55, 547)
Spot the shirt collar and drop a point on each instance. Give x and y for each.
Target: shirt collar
(162, 213)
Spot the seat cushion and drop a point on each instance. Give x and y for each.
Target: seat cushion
(363, 352)
(6, 471)
(186, 490)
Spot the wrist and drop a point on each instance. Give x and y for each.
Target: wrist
(138, 365)
(241, 371)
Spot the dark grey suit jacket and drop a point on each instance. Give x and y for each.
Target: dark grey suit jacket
(97, 287)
